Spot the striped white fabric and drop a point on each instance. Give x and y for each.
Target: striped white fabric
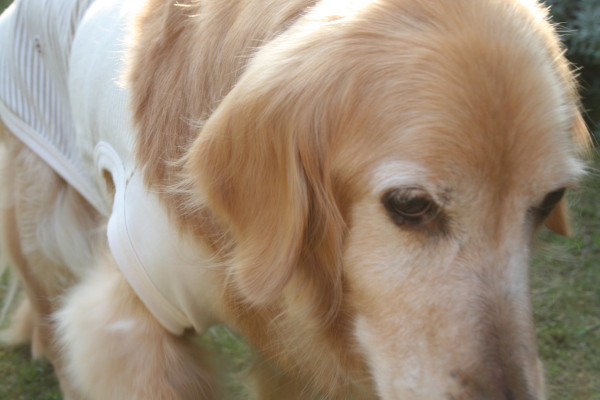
(35, 43)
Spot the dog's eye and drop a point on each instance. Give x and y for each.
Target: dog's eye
(551, 200)
(408, 205)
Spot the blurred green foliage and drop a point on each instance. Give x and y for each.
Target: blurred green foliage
(579, 23)
(4, 4)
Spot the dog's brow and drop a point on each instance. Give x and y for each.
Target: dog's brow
(394, 173)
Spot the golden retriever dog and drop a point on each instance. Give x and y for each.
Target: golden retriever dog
(353, 186)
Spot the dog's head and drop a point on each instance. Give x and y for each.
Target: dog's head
(398, 160)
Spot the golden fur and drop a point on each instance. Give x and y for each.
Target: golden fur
(277, 126)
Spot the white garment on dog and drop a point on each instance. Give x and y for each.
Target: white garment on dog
(35, 44)
(61, 94)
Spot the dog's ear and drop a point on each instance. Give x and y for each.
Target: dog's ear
(262, 172)
(558, 221)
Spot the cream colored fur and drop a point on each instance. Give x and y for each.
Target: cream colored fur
(148, 362)
(313, 113)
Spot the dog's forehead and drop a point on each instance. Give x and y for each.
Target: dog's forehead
(465, 137)
(492, 115)
(445, 150)
(533, 151)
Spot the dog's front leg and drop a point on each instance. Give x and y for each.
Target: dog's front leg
(115, 349)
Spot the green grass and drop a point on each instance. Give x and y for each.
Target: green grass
(24, 379)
